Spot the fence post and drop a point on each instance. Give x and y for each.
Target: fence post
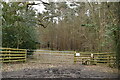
(74, 58)
(92, 59)
(9, 56)
(109, 60)
(25, 55)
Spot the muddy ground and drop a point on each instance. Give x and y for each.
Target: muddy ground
(58, 71)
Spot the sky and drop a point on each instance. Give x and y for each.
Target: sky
(41, 7)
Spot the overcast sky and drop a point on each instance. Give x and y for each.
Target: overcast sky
(41, 7)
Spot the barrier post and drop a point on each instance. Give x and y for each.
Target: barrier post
(25, 55)
(74, 58)
(92, 59)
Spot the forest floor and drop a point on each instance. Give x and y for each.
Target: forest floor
(36, 70)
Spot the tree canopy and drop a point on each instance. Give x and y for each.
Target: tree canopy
(93, 27)
(18, 25)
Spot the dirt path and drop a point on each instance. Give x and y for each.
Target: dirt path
(34, 70)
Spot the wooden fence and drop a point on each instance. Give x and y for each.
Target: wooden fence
(94, 58)
(12, 55)
(73, 57)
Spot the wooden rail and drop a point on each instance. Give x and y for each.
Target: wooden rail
(94, 58)
(61, 52)
(12, 55)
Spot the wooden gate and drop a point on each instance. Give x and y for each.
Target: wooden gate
(12, 54)
(94, 58)
(54, 57)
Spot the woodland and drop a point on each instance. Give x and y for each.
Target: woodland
(73, 26)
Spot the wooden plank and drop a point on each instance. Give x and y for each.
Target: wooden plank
(95, 54)
(93, 61)
(12, 58)
(11, 52)
(89, 53)
(82, 61)
(54, 52)
(61, 55)
(85, 53)
(83, 56)
(13, 49)
(100, 60)
(104, 58)
(103, 53)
